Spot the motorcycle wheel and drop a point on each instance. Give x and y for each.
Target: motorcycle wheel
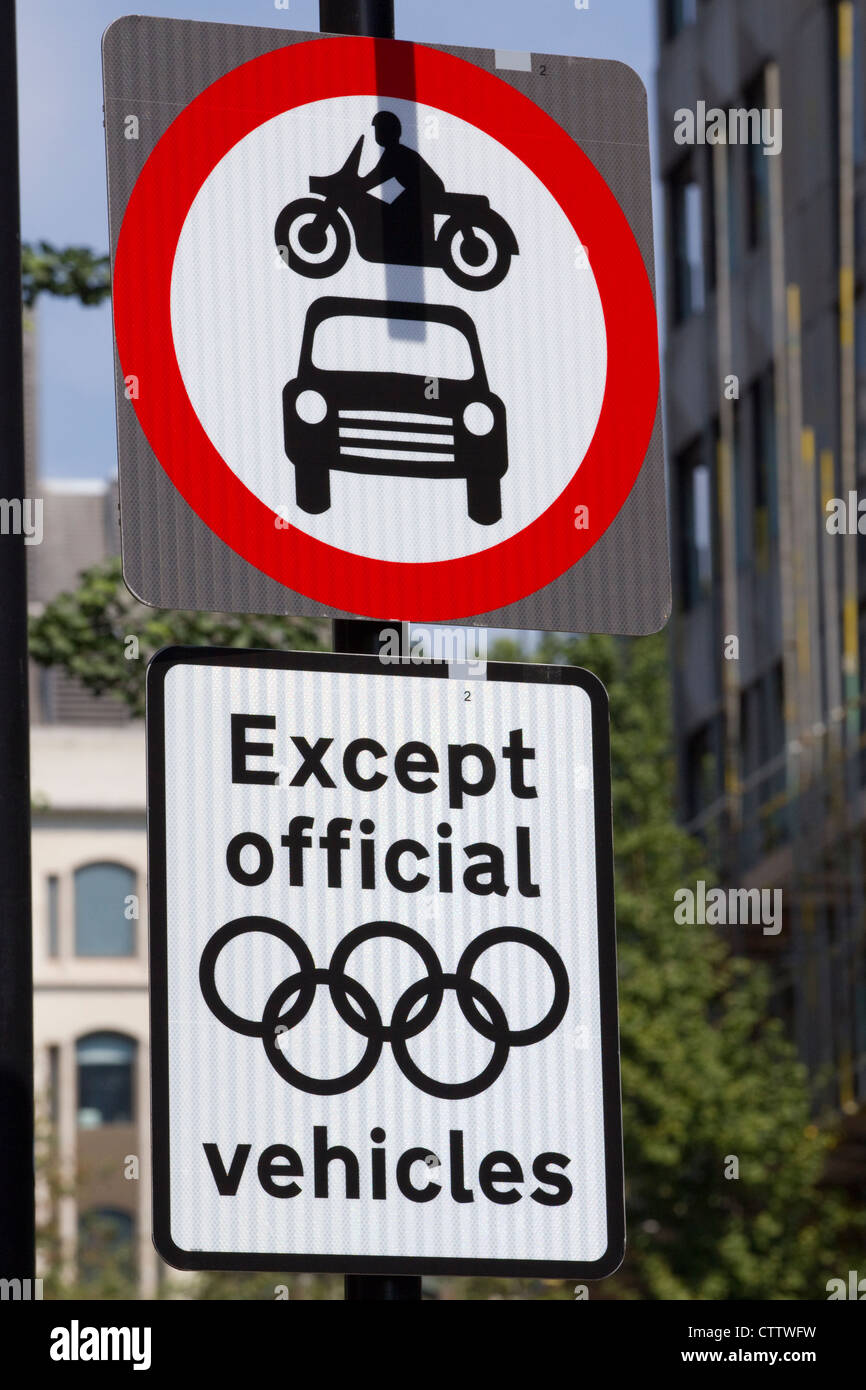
(471, 255)
(312, 238)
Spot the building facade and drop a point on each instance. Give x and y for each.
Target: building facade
(762, 152)
(90, 939)
(90, 991)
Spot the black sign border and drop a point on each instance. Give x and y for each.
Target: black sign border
(161, 663)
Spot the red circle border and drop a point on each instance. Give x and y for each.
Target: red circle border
(200, 136)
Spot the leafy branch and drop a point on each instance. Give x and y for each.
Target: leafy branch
(73, 272)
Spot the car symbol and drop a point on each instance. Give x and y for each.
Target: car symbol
(396, 389)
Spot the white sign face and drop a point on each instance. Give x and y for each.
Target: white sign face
(384, 1000)
(261, 305)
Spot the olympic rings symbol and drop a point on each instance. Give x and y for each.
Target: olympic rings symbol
(291, 1000)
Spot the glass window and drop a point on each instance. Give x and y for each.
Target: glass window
(54, 1084)
(105, 1064)
(749, 730)
(678, 15)
(53, 894)
(774, 685)
(368, 343)
(703, 784)
(765, 491)
(101, 927)
(861, 647)
(757, 171)
(735, 208)
(710, 186)
(695, 525)
(763, 726)
(688, 243)
(741, 511)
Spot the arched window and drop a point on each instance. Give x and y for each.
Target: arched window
(106, 1065)
(102, 927)
(106, 1248)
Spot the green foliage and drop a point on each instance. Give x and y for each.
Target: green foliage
(87, 632)
(506, 649)
(707, 1072)
(72, 273)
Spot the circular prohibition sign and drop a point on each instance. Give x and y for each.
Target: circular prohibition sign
(203, 133)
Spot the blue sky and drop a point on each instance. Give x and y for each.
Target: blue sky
(63, 159)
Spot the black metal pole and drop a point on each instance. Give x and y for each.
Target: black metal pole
(382, 1288)
(372, 19)
(17, 1253)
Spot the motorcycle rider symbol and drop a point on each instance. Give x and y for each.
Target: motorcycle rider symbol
(474, 245)
(400, 213)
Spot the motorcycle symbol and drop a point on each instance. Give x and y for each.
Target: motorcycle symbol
(423, 225)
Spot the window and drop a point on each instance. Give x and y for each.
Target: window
(106, 1238)
(775, 707)
(703, 784)
(765, 524)
(101, 926)
(678, 15)
(741, 513)
(710, 186)
(762, 732)
(64, 700)
(347, 342)
(105, 1063)
(695, 525)
(54, 1084)
(688, 242)
(53, 894)
(861, 647)
(733, 155)
(757, 171)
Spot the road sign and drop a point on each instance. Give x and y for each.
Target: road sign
(384, 1030)
(386, 339)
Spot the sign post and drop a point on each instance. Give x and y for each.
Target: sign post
(376, 18)
(384, 1031)
(386, 343)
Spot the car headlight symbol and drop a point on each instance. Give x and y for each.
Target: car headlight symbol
(478, 418)
(312, 407)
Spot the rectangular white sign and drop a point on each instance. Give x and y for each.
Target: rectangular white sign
(384, 990)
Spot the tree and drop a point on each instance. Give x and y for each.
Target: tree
(104, 637)
(707, 1073)
(73, 273)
